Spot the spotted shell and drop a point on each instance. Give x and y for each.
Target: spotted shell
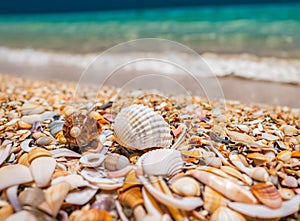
(80, 129)
(139, 127)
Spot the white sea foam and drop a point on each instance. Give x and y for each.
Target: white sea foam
(243, 65)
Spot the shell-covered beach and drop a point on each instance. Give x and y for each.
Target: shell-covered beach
(93, 156)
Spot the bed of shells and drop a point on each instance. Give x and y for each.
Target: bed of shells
(143, 156)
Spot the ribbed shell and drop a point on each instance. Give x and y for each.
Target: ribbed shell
(139, 127)
(89, 129)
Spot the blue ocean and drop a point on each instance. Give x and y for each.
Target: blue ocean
(260, 29)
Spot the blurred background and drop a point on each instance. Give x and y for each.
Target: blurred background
(253, 48)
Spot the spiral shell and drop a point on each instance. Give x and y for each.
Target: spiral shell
(80, 129)
(139, 127)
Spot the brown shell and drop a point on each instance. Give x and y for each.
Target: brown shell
(89, 129)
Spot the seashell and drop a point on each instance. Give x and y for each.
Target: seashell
(23, 125)
(64, 152)
(4, 152)
(295, 154)
(289, 181)
(259, 173)
(264, 212)
(269, 137)
(288, 130)
(44, 141)
(91, 214)
(12, 196)
(213, 161)
(131, 197)
(23, 159)
(25, 145)
(55, 195)
(21, 174)
(30, 119)
(213, 200)
(55, 127)
(31, 197)
(186, 186)
(80, 129)
(42, 169)
(92, 159)
(233, 172)
(115, 161)
(38, 152)
(161, 162)
(267, 194)
(139, 127)
(228, 188)
(258, 158)
(241, 138)
(286, 194)
(104, 201)
(29, 108)
(5, 212)
(22, 215)
(74, 180)
(81, 197)
(284, 155)
(243, 128)
(226, 214)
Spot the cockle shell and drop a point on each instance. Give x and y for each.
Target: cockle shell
(115, 161)
(213, 200)
(139, 127)
(186, 186)
(226, 214)
(161, 162)
(267, 194)
(91, 214)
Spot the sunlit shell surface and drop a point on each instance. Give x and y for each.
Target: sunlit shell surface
(80, 129)
(139, 127)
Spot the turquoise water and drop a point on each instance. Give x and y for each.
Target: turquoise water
(267, 30)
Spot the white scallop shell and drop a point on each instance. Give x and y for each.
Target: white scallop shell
(139, 127)
(161, 162)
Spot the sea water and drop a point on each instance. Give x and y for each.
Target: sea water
(269, 31)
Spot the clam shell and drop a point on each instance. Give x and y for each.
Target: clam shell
(226, 214)
(267, 194)
(43, 141)
(115, 161)
(161, 162)
(21, 174)
(186, 186)
(92, 159)
(213, 200)
(42, 169)
(139, 127)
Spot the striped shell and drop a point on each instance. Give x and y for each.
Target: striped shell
(139, 127)
(80, 129)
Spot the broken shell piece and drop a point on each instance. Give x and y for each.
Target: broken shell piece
(55, 195)
(6, 211)
(226, 214)
(288, 130)
(80, 197)
(92, 159)
(13, 175)
(261, 211)
(267, 194)
(213, 200)
(74, 180)
(38, 152)
(186, 186)
(22, 215)
(4, 152)
(284, 155)
(164, 162)
(64, 152)
(258, 158)
(42, 169)
(289, 181)
(139, 127)
(91, 214)
(269, 137)
(286, 194)
(228, 188)
(31, 197)
(213, 161)
(29, 108)
(114, 161)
